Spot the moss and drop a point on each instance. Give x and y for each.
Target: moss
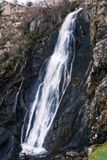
(100, 153)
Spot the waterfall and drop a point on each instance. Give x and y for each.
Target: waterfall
(51, 90)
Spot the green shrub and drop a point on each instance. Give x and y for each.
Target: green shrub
(100, 153)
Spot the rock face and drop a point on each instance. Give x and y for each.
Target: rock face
(98, 90)
(98, 80)
(82, 116)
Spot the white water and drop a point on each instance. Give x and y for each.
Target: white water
(51, 90)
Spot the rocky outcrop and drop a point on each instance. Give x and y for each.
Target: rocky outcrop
(98, 94)
(97, 84)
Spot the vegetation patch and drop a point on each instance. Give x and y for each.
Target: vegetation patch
(100, 153)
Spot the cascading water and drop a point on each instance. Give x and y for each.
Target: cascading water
(51, 90)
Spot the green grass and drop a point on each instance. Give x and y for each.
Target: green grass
(100, 153)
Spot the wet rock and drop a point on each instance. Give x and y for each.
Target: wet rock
(69, 155)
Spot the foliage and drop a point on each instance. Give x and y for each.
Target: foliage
(100, 153)
(46, 15)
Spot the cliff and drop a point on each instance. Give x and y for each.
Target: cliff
(26, 41)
